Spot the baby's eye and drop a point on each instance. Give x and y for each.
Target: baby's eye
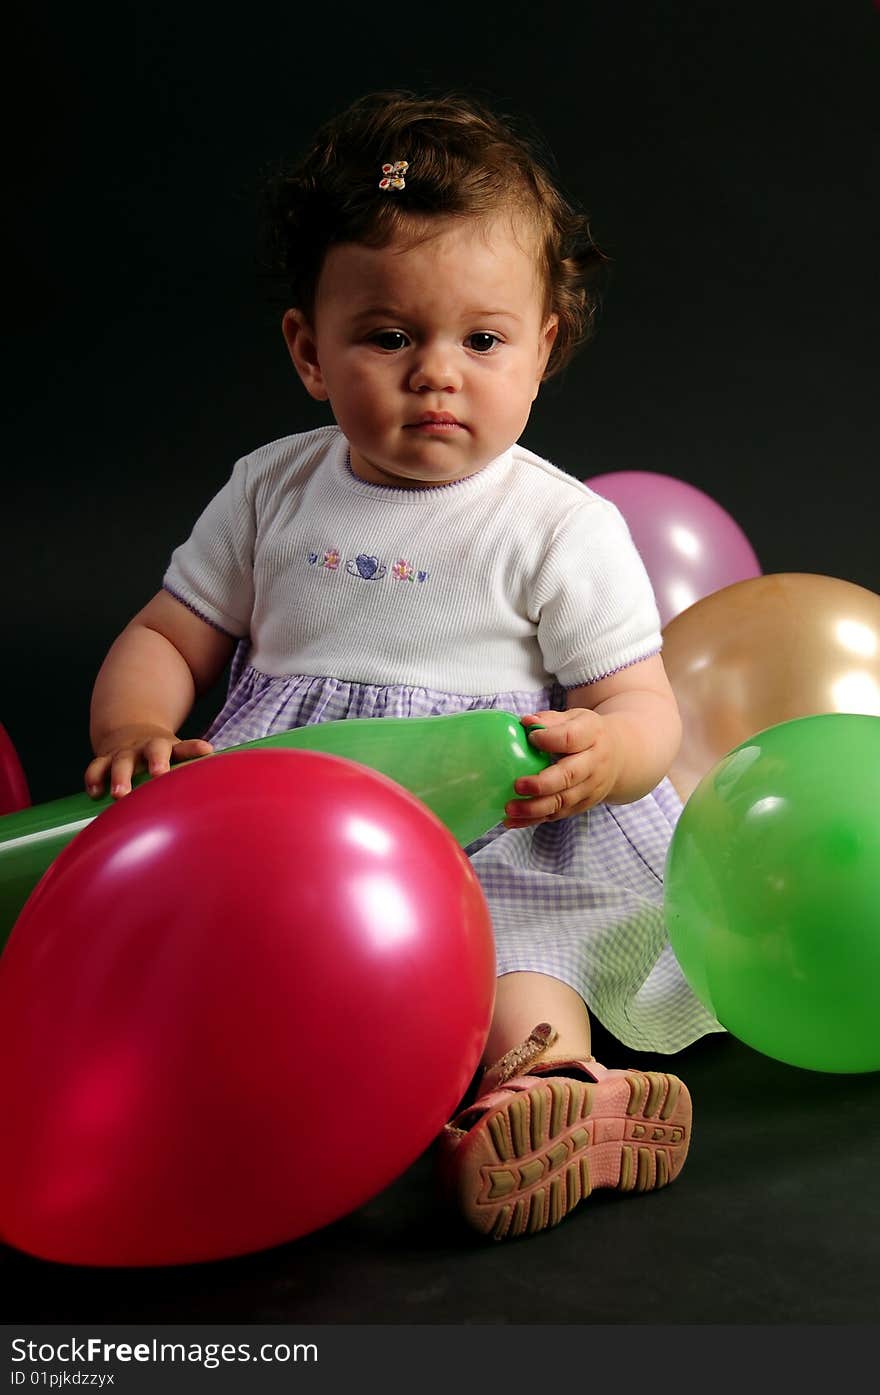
(389, 339)
(483, 342)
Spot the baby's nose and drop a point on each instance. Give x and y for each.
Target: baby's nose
(435, 370)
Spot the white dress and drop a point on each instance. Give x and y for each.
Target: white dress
(580, 899)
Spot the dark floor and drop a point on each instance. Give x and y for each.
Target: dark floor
(776, 1219)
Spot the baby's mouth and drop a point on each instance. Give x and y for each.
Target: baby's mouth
(443, 422)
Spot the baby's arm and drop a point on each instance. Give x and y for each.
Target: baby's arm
(614, 743)
(146, 687)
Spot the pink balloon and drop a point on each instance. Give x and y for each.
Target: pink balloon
(689, 544)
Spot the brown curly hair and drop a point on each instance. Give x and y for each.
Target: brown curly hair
(462, 162)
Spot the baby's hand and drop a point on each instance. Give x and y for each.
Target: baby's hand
(587, 747)
(137, 748)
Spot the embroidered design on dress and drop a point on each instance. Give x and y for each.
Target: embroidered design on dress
(330, 559)
(405, 571)
(367, 568)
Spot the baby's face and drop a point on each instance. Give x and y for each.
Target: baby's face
(430, 354)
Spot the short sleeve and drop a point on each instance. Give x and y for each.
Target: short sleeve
(593, 600)
(213, 571)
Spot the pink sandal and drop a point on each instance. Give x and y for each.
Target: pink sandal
(541, 1136)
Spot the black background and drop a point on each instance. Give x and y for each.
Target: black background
(725, 152)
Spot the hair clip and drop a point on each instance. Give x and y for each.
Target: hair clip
(394, 175)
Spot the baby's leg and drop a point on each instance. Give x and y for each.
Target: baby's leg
(522, 999)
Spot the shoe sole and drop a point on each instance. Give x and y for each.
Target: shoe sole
(535, 1157)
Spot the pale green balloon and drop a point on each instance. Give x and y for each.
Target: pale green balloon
(462, 766)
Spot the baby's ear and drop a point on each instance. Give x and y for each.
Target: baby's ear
(548, 338)
(302, 346)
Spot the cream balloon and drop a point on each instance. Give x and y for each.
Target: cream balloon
(763, 651)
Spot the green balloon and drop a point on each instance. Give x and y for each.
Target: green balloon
(772, 892)
(462, 766)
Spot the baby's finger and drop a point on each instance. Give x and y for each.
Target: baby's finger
(192, 749)
(562, 775)
(122, 766)
(157, 755)
(547, 812)
(571, 732)
(536, 810)
(96, 775)
(557, 804)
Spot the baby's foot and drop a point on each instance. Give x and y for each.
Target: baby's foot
(524, 1155)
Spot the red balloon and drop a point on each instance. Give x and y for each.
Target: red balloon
(14, 792)
(237, 1005)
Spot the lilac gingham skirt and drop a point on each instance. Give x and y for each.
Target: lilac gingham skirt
(580, 899)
